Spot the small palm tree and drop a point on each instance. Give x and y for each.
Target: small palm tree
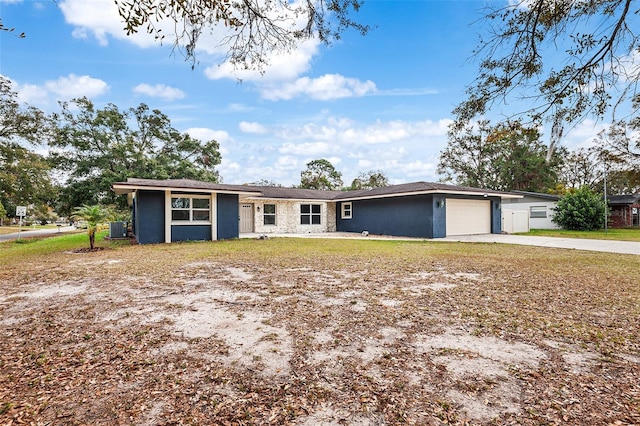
(94, 215)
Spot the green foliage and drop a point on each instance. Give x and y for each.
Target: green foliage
(320, 174)
(97, 147)
(581, 210)
(255, 29)
(3, 213)
(24, 174)
(507, 156)
(368, 180)
(519, 60)
(94, 215)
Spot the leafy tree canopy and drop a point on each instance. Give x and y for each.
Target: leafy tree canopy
(18, 123)
(368, 180)
(581, 210)
(320, 174)
(96, 147)
(24, 174)
(250, 29)
(597, 41)
(504, 157)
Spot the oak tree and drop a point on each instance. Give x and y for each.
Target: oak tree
(370, 179)
(565, 60)
(95, 147)
(24, 173)
(251, 29)
(320, 174)
(507, 156)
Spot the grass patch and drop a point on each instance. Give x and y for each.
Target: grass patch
(624, 234)
(29, 249)
(277, 330)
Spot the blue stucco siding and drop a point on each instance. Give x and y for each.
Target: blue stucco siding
(149, 217)
(228, 216)
(190, 233)
(409, 216)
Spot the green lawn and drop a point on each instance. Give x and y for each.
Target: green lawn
(316, 331)
(627, 234)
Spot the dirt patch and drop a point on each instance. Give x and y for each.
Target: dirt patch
(307, 342)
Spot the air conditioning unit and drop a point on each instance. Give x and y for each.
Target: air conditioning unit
(117, 229)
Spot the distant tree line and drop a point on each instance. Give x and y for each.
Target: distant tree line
(69, 159)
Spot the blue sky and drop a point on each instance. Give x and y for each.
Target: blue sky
(378, 102)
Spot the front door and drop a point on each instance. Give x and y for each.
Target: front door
(246, 218)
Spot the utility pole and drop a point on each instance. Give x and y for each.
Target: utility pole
(606, 204)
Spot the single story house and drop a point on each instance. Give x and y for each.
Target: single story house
(539, 208)
(179, 210)
(624, 210)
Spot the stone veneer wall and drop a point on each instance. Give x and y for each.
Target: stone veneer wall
(288, 217)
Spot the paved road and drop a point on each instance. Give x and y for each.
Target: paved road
(608, 246)
(37, 233)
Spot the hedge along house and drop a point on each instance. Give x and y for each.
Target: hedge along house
(179, 210)
(165, 211)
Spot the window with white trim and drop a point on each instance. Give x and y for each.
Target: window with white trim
(347, 209)
(186, 208)
(269, 214)
(538, 212)
(310, 214)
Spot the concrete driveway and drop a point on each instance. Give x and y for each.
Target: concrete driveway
(37, 233)
(608, 246)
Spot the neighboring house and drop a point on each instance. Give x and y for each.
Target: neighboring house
(540, 208)
(178, 210)
(623, 210)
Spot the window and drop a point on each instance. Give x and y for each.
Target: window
(310, 214)
(346, 210)
(538, 211)
(269, 214)
(190, 209)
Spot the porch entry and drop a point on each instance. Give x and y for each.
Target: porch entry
(246, 218)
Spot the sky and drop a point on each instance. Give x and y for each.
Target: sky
(382, 101)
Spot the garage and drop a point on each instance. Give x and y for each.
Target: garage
(468, 217)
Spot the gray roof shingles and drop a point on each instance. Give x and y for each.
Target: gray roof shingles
(274, 192)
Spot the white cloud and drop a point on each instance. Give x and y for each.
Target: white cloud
(583, 134)
(315, 149)
(327, 87)
(281, 66)
(159, 91)
(32, 94)
(344, 131)
(204, 134)
(74, 86)
(255, 128)
(100, 18)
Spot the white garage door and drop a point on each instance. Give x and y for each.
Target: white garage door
(467, 217)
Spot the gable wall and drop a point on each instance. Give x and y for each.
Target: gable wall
(526, 203)
(409, 216)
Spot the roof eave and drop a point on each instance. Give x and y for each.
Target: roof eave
(120, 189)
(484, 194)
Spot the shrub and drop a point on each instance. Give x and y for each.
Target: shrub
(582, 210)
